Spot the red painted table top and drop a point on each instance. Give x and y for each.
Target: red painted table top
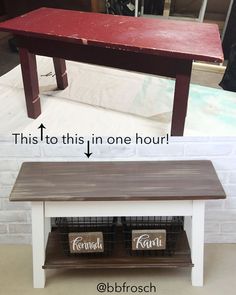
(179, 39)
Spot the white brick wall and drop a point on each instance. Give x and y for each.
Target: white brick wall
(15, 218)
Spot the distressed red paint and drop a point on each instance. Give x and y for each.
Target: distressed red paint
(181, 39)
(152, 46)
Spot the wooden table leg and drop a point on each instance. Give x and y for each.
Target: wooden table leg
(197, 249)
(188, 229)
(136, 8)
(30, 81)
(202, 11)
(60, 70)
(167, 5)
(47, 229)
(38, 244)
(181, 100)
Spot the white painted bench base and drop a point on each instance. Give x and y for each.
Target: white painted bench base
(192, 210)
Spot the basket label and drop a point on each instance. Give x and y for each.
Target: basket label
(87, 242)
(149, 239)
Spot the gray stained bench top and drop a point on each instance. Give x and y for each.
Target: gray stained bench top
(117, 181)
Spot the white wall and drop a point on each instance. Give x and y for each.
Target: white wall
(15, 218)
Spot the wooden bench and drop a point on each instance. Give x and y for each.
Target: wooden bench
(103, 189)
(152, 46)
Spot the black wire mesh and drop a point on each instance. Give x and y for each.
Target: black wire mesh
(172, 225)
(106, 225)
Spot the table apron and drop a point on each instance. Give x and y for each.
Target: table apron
(127, 60)
(118, 208)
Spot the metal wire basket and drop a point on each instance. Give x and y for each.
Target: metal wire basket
(172, 225)
(105, 225)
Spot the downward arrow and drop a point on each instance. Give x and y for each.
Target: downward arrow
(88, 154)
(41, 127)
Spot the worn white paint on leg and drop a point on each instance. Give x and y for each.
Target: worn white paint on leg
(167, 5)
(202, 11)
(136, 8)
(38, 244)
(142, 8)
(227, 19)
(197, 250)
(188, 229)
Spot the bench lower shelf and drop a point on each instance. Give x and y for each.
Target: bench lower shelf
(56, 258)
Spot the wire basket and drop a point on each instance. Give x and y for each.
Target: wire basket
(172, 225)
(106, 225)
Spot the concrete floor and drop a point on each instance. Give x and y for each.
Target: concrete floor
(16, 275)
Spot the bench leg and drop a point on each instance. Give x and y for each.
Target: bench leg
(38, 244)
(188, 229)
(181, 100)
(202, 11)
(197, 249)
(136, 8)
(47, 230)
(60, 70)
(30, 81)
